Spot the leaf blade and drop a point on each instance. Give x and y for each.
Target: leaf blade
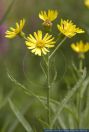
(20, 117)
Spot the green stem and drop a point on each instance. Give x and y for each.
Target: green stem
(48, 78)
(81, 66)
(79, 99)
(48, 92)
(57, 47)
(58, 37)
(23, 35)
(78, 108)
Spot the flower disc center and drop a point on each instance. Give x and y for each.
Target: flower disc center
(40, 44)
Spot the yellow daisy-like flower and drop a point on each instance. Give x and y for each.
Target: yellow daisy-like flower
(12, 32)
(48, 17)
(68, 28)
(80, 47)
(86, 2)
(40, 44)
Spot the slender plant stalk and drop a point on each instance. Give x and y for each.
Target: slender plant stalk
(48, 78)
(48, 93)
(78, 108)
(79, 100)
(51, 55)
(81, 65)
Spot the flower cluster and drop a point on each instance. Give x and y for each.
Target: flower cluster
(40, 42)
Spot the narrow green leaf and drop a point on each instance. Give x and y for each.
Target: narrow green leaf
(42, 99)
(43, 69)
(16, 121)
(67, 98)
(4, 100)
(45, 124)
(20, 117)
(85, 115)
(60, 120)
(28, 92)
(84, 87)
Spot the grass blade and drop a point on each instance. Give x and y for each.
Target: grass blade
(16, 122)
(20, 117)
(67, 98)
(28, 92)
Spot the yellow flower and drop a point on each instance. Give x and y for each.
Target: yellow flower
(12, 32)
(86, 2)
(68, 28)
(80, 47)
(39, 44)
(48, 17)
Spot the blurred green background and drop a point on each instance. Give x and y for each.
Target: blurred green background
(17, 61)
